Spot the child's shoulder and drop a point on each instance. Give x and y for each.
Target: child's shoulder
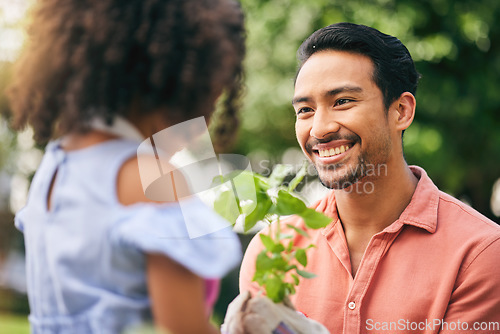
(128, 183)
(143, 178)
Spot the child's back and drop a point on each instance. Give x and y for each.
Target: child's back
(102, 257)
(86, 252)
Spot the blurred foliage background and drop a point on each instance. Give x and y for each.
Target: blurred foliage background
(455, 135)
(456, 47)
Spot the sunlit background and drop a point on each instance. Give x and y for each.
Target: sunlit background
(455, 135)
(14, 178)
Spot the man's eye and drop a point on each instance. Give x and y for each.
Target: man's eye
(340, 102)
(304, 110)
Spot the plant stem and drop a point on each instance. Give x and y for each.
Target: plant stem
(278, 230)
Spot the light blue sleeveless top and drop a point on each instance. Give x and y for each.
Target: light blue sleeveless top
(85, 256)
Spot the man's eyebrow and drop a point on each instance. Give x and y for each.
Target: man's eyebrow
(300, 99)
(343, 89)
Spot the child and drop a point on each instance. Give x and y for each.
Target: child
(98, 77)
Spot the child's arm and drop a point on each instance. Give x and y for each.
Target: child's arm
(177, 295)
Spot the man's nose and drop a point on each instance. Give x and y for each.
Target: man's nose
(323, 124)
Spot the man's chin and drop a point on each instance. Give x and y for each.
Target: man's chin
(338, 183)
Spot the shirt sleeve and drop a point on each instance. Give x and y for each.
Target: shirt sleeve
(187, 232)
(475, 303)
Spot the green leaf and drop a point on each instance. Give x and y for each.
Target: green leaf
(260, 277)
(298, 177)
(295, 279)
(279, 263)
(287, 204)
(245, 186)
(278, 248)
(278, 175)
(289, 289)
(225, 205)
(267, 242)
(263, 262)
(220, 179)
(261, 182)
(305, 274)
(298, 230)
(314, 219)
(275, 289)
(300, 255)
(260, 211)
(284, 236)
(235, 193)
(247, 206)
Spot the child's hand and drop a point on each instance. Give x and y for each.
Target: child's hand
(259, 315)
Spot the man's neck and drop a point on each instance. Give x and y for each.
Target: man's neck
(372, 204)
(376, 201)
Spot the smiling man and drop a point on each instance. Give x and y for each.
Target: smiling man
(399, 255)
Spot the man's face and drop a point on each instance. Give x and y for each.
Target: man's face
(341, 124)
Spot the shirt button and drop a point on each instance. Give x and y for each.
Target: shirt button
(352, 305)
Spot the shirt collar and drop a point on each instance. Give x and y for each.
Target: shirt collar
(121, 127)
(423, 208)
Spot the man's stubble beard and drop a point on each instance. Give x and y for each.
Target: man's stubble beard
(355, 173)
(348, 178)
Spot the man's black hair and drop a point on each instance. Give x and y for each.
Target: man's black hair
(394, 71)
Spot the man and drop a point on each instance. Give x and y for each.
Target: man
(399, 255)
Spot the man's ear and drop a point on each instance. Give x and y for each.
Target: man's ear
(402, 111)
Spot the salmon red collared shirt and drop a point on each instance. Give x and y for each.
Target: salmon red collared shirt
(434, 270)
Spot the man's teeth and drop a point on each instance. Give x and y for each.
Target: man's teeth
(333, 151)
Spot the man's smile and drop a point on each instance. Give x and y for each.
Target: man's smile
(331, 152)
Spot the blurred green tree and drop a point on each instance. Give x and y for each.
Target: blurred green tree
(456, 47)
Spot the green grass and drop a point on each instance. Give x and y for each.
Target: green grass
(14, 324)
(18, 324)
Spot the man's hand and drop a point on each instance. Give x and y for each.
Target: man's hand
(259, 315)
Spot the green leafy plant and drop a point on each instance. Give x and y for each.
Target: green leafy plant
(259, 198)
